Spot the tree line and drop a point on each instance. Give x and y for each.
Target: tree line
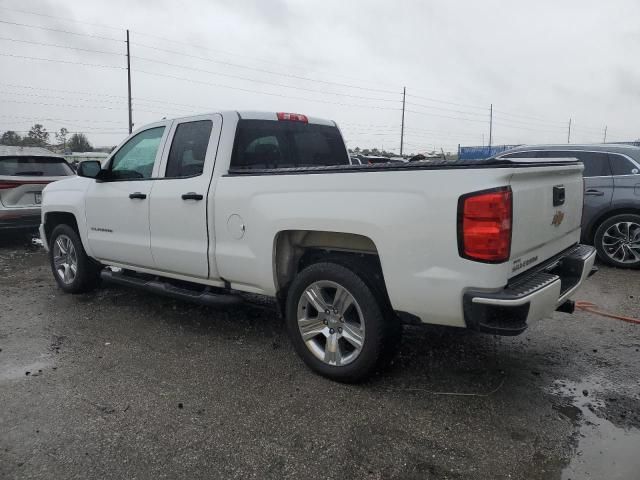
(38, 136)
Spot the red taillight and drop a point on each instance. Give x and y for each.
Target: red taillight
(292, 117)
(484, 225)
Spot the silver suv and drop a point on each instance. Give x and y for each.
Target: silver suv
(611, 218)
(24, 172)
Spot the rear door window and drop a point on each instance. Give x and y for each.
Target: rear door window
(189, 149)
(34, 167)
(281, 144)
(621, 165)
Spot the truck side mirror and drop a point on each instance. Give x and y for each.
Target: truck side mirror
(89, 169)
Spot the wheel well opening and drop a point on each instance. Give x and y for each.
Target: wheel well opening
(296, 249)
(53, 219)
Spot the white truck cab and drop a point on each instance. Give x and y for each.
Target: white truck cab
(204, 207)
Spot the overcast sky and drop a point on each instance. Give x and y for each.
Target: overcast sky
(539, 63)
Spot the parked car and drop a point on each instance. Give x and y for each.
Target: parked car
(24, 172)
(611, 218)
(201, 208)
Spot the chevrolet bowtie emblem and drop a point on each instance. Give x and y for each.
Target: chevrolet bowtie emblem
(557, 218)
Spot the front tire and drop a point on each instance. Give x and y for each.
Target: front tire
(73, 270)
(617, 241)
(338, 324)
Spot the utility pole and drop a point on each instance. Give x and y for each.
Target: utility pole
(129, 83)
(604, 140)
(490, 124)
(569, 132)
(404, 94)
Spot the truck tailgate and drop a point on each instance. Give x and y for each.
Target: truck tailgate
(547, 212)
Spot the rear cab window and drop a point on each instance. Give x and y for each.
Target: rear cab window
(34, 167)
(270, 144)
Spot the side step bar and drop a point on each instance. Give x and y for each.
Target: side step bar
(205, 297)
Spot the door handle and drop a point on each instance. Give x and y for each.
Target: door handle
(594, 193)
(192, 196)
(138, 195)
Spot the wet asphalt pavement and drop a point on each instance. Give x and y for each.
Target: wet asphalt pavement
(124, 384)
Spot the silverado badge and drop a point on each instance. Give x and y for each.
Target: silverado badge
(557, 218)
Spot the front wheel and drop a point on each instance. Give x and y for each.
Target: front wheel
(617, 240)
(337, 322)
(73, 270)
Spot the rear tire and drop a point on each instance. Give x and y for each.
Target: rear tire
(73, 270)
(339, 324)
(617, 241)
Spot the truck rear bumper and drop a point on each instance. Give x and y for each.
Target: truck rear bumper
(530, 296)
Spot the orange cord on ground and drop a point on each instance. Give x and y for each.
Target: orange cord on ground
(592, 308)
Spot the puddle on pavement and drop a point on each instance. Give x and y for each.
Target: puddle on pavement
(604, 451)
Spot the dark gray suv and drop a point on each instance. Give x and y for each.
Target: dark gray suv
(611, 217)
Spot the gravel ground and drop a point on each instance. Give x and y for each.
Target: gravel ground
(124, 384)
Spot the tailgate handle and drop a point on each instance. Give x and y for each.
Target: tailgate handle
(594, 193)
(558, 196)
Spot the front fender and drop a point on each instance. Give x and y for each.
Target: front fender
(68, 196)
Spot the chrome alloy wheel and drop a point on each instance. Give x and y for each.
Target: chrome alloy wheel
(621, 242)
(65, 259)
(331, 323)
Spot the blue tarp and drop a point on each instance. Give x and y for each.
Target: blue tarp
(480, 153)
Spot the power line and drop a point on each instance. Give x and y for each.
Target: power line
(68, 32)
(59, 105)
(262, 70)
(59, 119)
(523, 122)
(264, 93)
(248, 79)
(520, 127)
(68, 62)
(446, 116)
(112, 102)
(61, 18)
(180, 43)
(447, 102)
(75, 92)
(528, 117)
(464, 112)
(59, 46)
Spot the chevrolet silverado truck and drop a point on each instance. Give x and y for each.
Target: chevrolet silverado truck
(211, 207)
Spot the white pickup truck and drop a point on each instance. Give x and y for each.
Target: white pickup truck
(204, 207)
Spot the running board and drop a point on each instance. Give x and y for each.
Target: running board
(205, 297)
